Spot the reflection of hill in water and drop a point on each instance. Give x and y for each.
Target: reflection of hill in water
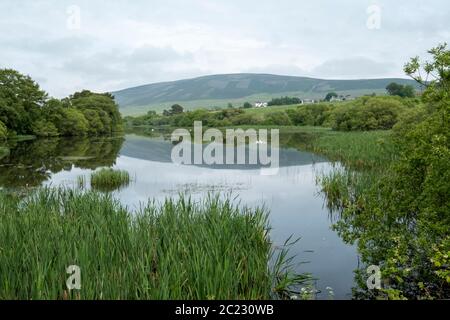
(159, 150)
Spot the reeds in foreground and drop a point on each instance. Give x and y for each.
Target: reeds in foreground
(179, 249)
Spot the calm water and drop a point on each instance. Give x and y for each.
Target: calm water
(296, 207)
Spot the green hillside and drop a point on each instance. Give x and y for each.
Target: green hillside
(219, 90)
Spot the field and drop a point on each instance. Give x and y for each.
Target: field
(223, 103)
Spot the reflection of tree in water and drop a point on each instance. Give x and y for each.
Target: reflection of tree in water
(32, 162)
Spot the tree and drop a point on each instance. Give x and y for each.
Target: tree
(73, 123)
(404, 91)
(20, 101)
(284, 101)
(103, 104)
(230, 105)
(436, 74)
(247, 105)
(43, 128)
(403, 221)
(176, 109)
(330, 95)
(151, 114)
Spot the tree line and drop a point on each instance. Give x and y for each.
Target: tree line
(26, 109)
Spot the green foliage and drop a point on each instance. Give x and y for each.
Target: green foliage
(311, 115)
(3, 131)
(101, 110)
(73, 123)
(404, 91)
(247, 105)
(401, 220)
(434, 75)
(25, 109)
(284, 101)
(109, 179)
(370, 113)
(35, 158)
(174, 110)
(20, 101)
(4, 151)
(42, 128)
(279, 118)
(363, 114)
(180, 249)
(330, 95)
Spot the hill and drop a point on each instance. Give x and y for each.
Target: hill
(219, 90)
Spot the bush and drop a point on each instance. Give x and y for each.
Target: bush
(311, 115)
(43, 128)
(73, 123)
(284, 101)
(368, 113)
(246, 119)
(279, 118)
(3, 131)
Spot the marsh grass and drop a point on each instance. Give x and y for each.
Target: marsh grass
(360, 161)
(345, 188)
(359, 150)
(108, 179)
(179, 249)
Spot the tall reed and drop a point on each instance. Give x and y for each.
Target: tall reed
(108, 179)
(179, 249)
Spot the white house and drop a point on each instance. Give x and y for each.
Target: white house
(260, 104)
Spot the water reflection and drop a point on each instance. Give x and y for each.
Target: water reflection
(30, 163)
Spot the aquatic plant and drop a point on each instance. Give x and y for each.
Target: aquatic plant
(178, 249)
(108, 179)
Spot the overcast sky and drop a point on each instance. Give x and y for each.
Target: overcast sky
(108, 45)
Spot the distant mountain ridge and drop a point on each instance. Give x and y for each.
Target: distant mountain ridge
(238, 86)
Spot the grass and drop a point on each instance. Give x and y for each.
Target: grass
(238, 102)
(108, 179)
(362, 159)
(356, 149)
(178, 249)
(344, 188)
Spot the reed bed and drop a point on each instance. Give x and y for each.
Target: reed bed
(108, 179)
(358, 149)
(179, 249)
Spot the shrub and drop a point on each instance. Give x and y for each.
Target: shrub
(44, 128)
(279, 118)
(284, 101)
(246, 119)
(3, 131)
(369, 113)
(312, 115)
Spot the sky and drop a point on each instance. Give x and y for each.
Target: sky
(67, 46)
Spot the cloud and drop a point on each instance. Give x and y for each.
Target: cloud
(356, 67)
(123, 43)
